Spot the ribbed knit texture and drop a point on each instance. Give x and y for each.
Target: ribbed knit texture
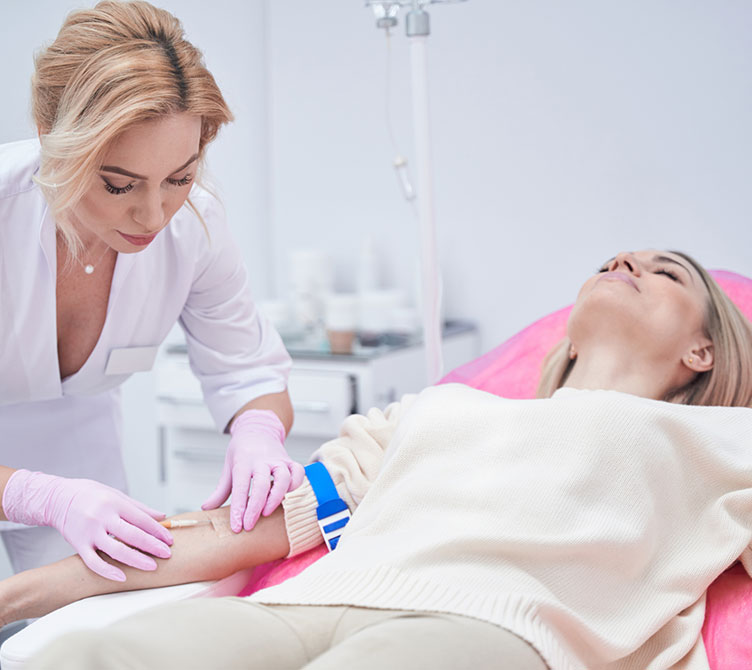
(589, 524)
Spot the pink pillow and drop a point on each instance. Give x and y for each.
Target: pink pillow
(512, 370)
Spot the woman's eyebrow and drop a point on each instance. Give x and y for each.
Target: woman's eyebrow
(127, 173)
(668, 259)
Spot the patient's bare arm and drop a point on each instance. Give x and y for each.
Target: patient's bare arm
(198, 553)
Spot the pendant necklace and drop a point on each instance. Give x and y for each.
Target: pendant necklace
(89, 267)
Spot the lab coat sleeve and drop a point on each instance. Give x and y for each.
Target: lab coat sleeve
(354, 460)
(234, 351)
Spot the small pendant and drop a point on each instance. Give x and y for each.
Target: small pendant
(88, 269)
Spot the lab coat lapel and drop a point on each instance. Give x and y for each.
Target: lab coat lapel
(82, 379)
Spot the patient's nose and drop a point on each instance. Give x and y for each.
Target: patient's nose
(626, 262)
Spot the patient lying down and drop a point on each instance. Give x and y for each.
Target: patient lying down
(577, 530)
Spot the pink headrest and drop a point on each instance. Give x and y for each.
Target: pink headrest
(512, 369)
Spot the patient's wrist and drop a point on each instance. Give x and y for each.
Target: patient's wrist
(20, 597)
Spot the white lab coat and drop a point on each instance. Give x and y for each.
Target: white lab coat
(71, 427)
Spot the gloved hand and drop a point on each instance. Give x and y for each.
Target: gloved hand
(256, 451)
(90, 516)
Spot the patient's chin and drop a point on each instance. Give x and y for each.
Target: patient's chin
(601, 314)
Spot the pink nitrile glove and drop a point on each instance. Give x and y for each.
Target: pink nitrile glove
(255, 453)
(90, 516)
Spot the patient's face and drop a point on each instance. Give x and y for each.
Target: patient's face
(652, 301)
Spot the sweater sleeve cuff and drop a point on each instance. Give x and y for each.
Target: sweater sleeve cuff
(301, 521)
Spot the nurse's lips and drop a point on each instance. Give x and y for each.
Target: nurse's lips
(619, 276)
(138, 240)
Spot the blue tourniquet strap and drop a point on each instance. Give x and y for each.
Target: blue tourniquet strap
(332, 511)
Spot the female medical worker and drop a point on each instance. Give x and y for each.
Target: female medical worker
(106, 241)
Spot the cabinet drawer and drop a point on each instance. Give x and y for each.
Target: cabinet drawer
(321, 401)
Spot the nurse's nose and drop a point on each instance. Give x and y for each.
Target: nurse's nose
(149, 212)
(627, 262)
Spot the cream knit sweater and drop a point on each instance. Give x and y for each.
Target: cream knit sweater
(590, 524)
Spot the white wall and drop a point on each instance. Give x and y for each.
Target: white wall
(563, 132)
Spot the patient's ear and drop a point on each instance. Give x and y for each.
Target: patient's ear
(700, 358)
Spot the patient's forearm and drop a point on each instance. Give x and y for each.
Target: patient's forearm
(198, 553)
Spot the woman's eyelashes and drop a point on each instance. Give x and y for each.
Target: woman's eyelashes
(668, 273)
(120, 190)
(117, 190)
(181, 182)
(660, 271)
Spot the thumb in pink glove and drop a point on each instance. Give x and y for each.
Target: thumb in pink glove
(90, 516)
(255, 453)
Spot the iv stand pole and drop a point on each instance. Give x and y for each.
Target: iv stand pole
(418, 28)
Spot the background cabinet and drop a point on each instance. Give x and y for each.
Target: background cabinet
(324, 389)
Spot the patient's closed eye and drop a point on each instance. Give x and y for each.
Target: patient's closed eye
(668, 273)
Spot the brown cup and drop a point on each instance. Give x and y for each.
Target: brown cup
(341, 341)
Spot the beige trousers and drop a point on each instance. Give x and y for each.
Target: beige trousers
(234, 633)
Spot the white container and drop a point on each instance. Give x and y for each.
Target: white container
(341, 311)
(311, 278)
(277, 311)
(406, 321)
(376, 313)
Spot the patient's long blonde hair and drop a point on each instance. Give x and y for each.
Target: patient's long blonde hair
(109, 68)
(727, 383)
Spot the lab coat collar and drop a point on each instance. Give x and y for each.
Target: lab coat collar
(47, 239)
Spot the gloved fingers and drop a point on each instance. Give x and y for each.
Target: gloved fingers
(140, 525)
(120, 552)
(242, 472)
(257, 499)
(153, 513)
(298, 474)
(95, 563)
(223, 489)
(127, 531)
(280, 486)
